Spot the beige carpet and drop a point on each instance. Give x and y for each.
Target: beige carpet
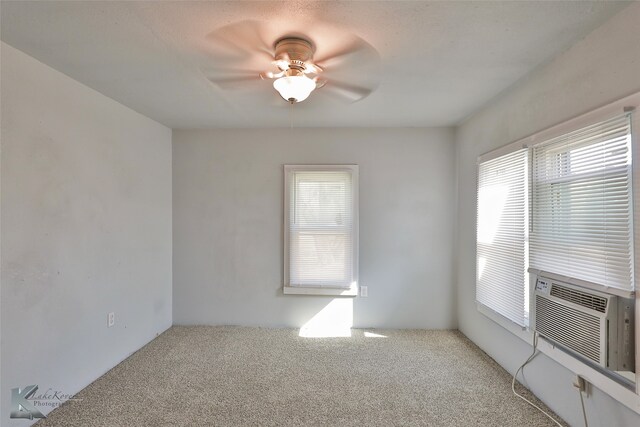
(235, 376)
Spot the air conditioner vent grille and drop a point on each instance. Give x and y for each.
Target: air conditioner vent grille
(584, 299)
(569, 327)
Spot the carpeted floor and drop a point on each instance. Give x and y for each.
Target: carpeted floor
(236, 376)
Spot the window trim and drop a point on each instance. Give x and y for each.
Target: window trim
(627, 397)
(317, 290)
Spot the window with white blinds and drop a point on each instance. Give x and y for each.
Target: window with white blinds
(502, 224)
(321, 228)
(582, 220)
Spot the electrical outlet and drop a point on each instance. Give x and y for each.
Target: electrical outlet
(111, 319)
(580, 383)
(364, 291)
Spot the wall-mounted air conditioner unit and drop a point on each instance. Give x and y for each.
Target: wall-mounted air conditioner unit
(596, 326)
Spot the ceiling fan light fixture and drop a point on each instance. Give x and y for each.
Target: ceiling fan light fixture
(294, 88)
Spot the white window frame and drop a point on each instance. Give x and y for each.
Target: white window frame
(622, 394)
(317, 290)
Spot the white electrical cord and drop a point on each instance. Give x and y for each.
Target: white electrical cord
(513, 382)
(584, 412)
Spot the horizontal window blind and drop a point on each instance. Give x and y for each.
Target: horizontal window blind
(582, 224)
(501, 282)
(321, 228)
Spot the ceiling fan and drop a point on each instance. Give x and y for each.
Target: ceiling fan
(290, 64)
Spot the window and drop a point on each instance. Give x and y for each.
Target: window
(582, 223)
(501, 278)
(562, 202)
(321, 230)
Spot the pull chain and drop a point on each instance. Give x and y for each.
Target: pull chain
(291, 115)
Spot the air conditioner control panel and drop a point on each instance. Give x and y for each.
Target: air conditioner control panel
(543, 286)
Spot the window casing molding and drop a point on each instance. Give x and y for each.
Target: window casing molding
(617, 391)
(290, 289)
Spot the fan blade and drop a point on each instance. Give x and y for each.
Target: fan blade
(224, 71)
(244, 37)
(270, 75)
(233, 79)
(311, 68)
(345, 91)
(232, 82)
(356, 52)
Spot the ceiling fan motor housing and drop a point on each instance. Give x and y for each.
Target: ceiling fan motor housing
(294, 50)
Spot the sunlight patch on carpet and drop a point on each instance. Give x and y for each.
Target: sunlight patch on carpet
(333, 321)
(373, 335)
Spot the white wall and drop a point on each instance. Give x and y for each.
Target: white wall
(600, 68)
(86, 229)
(228, 207)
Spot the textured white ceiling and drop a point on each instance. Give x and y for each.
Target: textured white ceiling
(440, 61)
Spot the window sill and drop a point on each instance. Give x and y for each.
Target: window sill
(308, 290)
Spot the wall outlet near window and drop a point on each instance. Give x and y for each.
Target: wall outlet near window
(364, 291)
(111, 319)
